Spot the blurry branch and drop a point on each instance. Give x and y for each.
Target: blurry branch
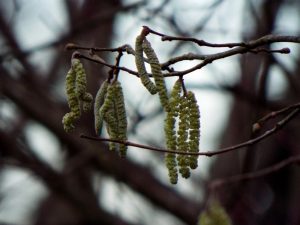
(62, 185)
(237, 48)
(254, 175)
(258, 125)
(279, 125)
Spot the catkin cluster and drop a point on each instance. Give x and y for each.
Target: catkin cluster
(215, 214)
(76, 93)
(143, 45)
(182, 131)
(110, 107)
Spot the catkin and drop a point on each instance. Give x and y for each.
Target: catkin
(182, 140)
(170, 133)
(157, 74)
(99, 99)
(140, 65)
(121, 117)
(194, 132)
(81, 83)
(73, 102)
(114, 114)
(215, 214)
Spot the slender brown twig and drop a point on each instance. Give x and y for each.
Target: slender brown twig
(257, 174)
(258, 125)
(279, 125)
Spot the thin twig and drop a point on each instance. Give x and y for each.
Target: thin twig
(258, 125)
(253, 141)
(257, 174)
(261, 41)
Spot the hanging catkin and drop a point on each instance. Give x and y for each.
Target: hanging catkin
(121, 117)
(170, 133)
(194, 132)
(182, 139)
(73, 102)
(114, 114)
(81, 83)
(99, 99)
(140, 65)
(157, 74)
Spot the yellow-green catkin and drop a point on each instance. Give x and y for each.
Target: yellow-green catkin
(194, 131)
(110, 119)
(215, 214)
(170, 133)
(73, 102)
(81, 83)
(121, 117)
(107, 112)
(114, 114)
(140, 65)
(99, 99)
(157, 74)
(182, 139)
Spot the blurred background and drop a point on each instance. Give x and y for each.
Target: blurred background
(48, 176)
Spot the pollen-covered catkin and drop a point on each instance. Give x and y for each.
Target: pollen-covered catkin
(157, 74)
(215, 214)
(170, 133)
(99, 99)
(81, 83)
(140, 65)
(73, 102)
(121, 117)
(110, 118)
(182, 140)
(194, 132)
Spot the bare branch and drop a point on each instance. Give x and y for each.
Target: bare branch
(257, 174)
(279, 125)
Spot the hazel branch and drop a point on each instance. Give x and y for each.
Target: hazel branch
(268, 39)
(257, 174)
(258, 125)
(279, 125)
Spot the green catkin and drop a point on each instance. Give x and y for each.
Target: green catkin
(182, 140)
(114, 114)
(170, 133)
(99, 99)
(157, 74)
(140, 65)
(106, 112)
(215, 214)
(194, 132)
(73, 102)
(81, 83)
(121, 117)
(110, 119)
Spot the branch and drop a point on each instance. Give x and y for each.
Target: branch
(268, 39)
(279, 125)
(240, 48)
(254, 175)
(257, 126)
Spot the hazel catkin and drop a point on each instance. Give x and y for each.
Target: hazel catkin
(81, 83)
(140, 65)
(182, 140)
(170, 133)
(99, 99)
(194, 131)
(73, 102)
(157, 74)
(121, 117)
